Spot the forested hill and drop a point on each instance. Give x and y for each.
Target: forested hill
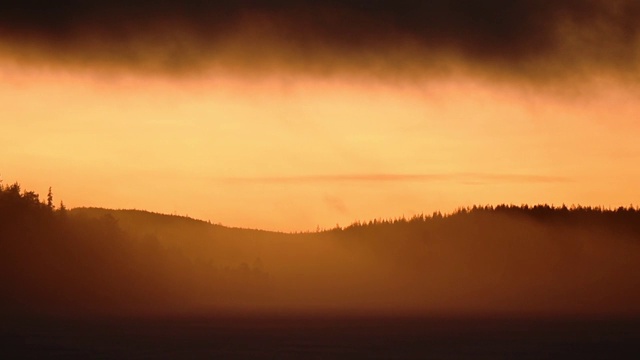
(170, 229)
(479, 260)
(142, 218)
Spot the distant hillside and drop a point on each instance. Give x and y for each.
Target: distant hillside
(195, 238)
(162, 225)
(141, 218)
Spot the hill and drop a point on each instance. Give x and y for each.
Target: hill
(503, 260)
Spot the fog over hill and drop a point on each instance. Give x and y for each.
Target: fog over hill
(503, 260)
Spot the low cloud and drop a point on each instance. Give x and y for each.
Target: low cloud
(518, 38)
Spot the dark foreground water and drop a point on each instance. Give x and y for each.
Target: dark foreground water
(319, 338)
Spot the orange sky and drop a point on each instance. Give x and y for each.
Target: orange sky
(290, 152)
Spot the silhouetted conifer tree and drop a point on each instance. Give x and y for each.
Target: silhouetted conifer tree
(50, 199)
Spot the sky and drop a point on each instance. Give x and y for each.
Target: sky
(292, 116)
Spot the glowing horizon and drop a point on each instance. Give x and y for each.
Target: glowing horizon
(296, 154)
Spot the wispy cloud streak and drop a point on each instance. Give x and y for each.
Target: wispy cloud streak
(466, 178)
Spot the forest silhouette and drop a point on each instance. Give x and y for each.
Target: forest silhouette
(489, 260)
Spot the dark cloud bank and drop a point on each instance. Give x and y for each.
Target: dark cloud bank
(530, 38)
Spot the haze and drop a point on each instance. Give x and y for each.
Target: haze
(292, 116)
